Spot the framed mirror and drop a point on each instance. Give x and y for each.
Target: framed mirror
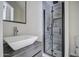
(14, 11)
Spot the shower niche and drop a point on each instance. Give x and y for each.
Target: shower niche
(54, 28)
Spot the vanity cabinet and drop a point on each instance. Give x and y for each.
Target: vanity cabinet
(34, 50)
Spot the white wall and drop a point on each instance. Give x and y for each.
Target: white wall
(66, 28)
(34, 21)
(1, 30)
(74, 24)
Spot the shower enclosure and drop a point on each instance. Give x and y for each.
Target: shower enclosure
(53, 28)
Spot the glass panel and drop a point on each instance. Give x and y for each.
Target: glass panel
(57, 29)
(48, 41)
(57, 37)
(53, 29)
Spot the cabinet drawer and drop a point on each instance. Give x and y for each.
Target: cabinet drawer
(32, 50)
(28, 53)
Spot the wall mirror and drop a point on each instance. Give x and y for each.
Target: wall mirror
(14, 11)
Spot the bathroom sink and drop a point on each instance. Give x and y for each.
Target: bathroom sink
(18, 42)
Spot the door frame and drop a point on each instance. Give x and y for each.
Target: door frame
(63, 30)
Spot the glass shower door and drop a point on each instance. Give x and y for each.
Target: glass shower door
(57, 37)
(48, 38)
(47, 28)
(54, 29)
(57, 30)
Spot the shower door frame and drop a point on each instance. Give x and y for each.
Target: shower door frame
(63, 31)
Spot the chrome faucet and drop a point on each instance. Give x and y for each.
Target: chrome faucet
(15, 31)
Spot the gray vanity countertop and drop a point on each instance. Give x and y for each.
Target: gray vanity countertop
(37, 46)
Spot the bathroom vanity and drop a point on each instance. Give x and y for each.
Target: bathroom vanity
(33, 50)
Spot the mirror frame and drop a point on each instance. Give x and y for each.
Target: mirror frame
(19, 21)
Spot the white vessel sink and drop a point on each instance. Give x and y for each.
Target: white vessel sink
(17, 42)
